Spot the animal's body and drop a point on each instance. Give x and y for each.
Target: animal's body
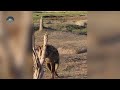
(51, 58)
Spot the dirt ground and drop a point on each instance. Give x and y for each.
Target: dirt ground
(73, 63)
(71, 47)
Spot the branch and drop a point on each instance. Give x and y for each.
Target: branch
(42, 59)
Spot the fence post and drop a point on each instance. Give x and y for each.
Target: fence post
(38, 74)
(41, 24)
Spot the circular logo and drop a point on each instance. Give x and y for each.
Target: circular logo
(10, 19)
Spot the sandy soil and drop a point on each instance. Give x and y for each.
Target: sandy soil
(72, 65)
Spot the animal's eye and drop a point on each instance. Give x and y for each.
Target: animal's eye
(10, 19)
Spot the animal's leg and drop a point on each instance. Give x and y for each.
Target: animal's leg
(48, 66)
(53, 70)
(56, 67)
(57, 74)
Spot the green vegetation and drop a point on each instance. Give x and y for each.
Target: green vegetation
(76, 29)
(82, 31)
(38, 14)
(60, 23)
(72, 27)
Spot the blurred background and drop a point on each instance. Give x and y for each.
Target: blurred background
(15, 44)
(103, 44)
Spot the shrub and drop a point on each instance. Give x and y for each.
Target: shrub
(71, 27)
(78, 31)
(36, 27)
(83, 31)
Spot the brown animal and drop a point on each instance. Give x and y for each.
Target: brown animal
(51, 58)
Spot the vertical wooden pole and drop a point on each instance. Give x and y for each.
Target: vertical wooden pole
(42, 59)
(41, 24)
(36, 62)
(44, 49)
(39, 72)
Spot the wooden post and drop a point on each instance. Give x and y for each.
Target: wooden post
(42, 59)
(35, 71)
(39, 72)
(41, 24)
(44, 49)
(36, 62)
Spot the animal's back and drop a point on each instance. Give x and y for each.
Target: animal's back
(52, 54)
